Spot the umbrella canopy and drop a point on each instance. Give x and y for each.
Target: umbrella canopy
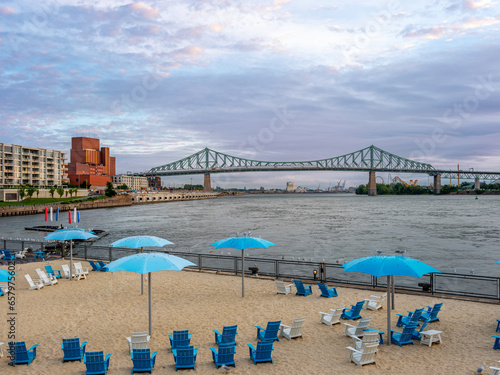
(137, 242)
(146, 263)
(5, 276)
(70, 234)
(389, 265)
(242, 243)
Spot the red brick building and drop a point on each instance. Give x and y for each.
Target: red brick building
(90, 165)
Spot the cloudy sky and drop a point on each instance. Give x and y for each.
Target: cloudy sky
(277, 80)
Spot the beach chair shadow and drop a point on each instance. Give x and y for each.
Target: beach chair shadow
(262, 353)
(270, 333)
(72, 349)
(143, 360)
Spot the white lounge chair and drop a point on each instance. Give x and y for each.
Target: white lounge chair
(369, 337)
(365, 356)
(333, 317)
(375, 302)
(78, 276)
(291, 332)
(282, 288)
(46, 279)
(351, 330)
(21, 254)
(34, 284)
(496, 370)
(80, 269)
(138, 340)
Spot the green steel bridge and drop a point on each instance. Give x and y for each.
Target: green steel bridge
(370, 159)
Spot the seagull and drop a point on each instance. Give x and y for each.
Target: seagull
(472, 271)
(226, 368)
(283, 257)
(454, 270)
(400, 251)
(211, 252)
(378, 252)
(292, 258)
(480, 369)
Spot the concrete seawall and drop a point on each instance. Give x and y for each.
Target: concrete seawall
(118, 201)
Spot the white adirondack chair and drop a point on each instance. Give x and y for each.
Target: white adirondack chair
(80, 269)
(21, 254)
(138, 340)
(375, 302)
(365, 356)
(282, 288)
(368, 338)
(37, 284)
(46, 279)
(351, 330)
(333, 317)
(293, 331)
(496, 370)
(65, 269)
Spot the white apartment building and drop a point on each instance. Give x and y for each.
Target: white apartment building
(132, 182)
(21, 165)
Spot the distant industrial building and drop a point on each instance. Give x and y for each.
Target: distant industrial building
(132, 182)
(154, 182)
(90, 165)
(290, 187)
(21, 165)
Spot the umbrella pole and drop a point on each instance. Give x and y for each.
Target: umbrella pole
(393, 285)
(142, 278)
(243, 272)
(149, 293)
(70, 259)
(388, 310)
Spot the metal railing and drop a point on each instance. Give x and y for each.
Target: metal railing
(476, 286)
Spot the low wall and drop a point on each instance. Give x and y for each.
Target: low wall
(158, 197)
(12, 195)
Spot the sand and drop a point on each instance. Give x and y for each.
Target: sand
(106, 308)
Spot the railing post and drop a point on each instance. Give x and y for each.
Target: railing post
(22, 245)
(110, 253)
(199, 262)
(276, 269)
(432, 283)
(498, 289)
(236, 266)
(5, 244)
(85, 251)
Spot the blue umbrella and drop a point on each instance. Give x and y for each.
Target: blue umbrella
(242, 243)
(70, 234)
(5, 276)
(389, 265)
(146, 263)
(136, 242)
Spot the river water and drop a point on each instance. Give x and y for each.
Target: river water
(448, 232)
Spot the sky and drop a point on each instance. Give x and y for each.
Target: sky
(273, 80)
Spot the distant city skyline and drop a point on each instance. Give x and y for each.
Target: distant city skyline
(274, 80)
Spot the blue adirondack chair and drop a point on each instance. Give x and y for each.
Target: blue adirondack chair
(102, 265)
(96, 363)
(301, 289)
(262, 353)
(405, 337)
(185, 357)
(270, 333)
(411, 318)
(496, 345)
(353, 312)
(51, 272)
(498, 325)
(72, 349)
(8, 255)
(326, 291)
(180, 339)
(19, 353)
(225, 356)
(228, 336)
(430, 315)
(143, 360)
(94, 266)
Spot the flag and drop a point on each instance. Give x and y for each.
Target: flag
(69, 216)
(74, 216)
(51, 217)
(78, 216)
(57, 214)
(45, 213)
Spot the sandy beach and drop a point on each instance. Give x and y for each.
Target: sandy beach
(106, 308)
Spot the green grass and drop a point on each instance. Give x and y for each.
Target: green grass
(42, 201)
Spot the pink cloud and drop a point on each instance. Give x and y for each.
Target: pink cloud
(142, 10)
(7, 10)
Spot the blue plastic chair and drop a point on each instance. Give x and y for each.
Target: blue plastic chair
(228, 336)
(180, 339)
(498, 325)
(405, 337)
(496, 345)
(185, 357)
(8, 255)
(143, 360)
(411, 318)
(353, 312)
(51, 272)
(96, 363)
(72, 349)
(262, 353)
(301, 289)
(327, 292)
(19, 353)
(102, 265)
(270, 333)
(94, 266)
(430, 315)
(225, 356)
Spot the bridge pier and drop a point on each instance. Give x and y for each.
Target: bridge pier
(437, 184)
(207, 185)
(372, 184)
(477, 184)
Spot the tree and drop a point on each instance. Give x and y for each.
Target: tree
(22, 192)
(60, 191)
(30, 191)
(66, 192)
(110, 192)
(52, 190)
(37, 191)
